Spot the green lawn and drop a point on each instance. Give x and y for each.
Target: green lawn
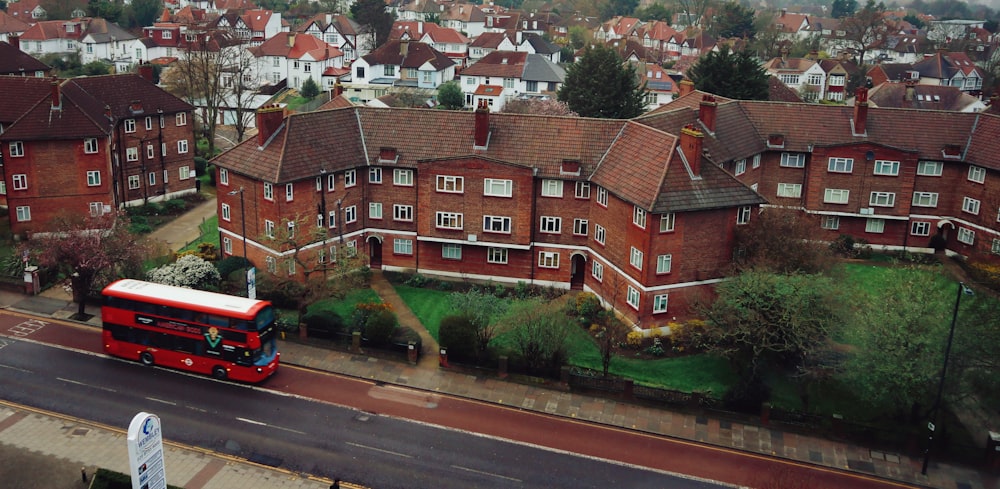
(345, 308)
(209, 234)
(429, 305)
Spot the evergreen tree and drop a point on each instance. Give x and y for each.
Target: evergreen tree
(737, 75)
(450, 96)
(735, 20)
(600, 85)
(309, 88)
(843, 8)
(376, 23)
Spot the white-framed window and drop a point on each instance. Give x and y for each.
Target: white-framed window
(3, 187)
(401, 177)
(331, 219)
(793, 160)
(184, 172)
(321, 255)
(667, 222)
(151, 178)
(582, 190)
(23, 213)
(635, 258)
(450, 184)
(660, 303)
(272, 264)
(548, 259)
(182, 146)
(166, 174)
(496, 187)
(970, 205)
(132, 154)
(163, 149)
(639, 216)
(223, 176)
(836, 195)
(319, 184)
(966, 235)
(977, 174)
(375, 210)
(995, 247)
(920, 228)
(149, 123)
(552, 188)
(599, 233)
(93, 178)
(581, 227)
(743, 215)
(268, 191)
(180, 119)
(551, 224)
(375, 175)
(331, 181)
(291, 266)
(402, 246)
(402, 212)
(290, 225)
(496, 255)
(448, 220)
(451, 251)
(227, 246)
(840, 165)
(350, 178)
(161, 115)
(350, 214)
(129, 125)
(882, 199)
(756, 161)
(16, 149)
(930, 168)
(319, 220)
(269, 228)
(874, 225)
(90, 145)
(925, 199)
(740, 167)
(830, 222)
(602, 196)
(496, 224)
(597, 271)
(663, 263)
(226, 211)
(20, 181)
(790, 190)
(133, 182)
(886, 167)
(632, 297)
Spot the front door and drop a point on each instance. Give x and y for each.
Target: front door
(375, 253)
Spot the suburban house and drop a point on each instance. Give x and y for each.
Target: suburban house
(536, 44)
(251, 26)
(504, 75)
(91, 145)
(660, 87)
(448, 41)
(28, 11)
(336, 30)
(399, 64)
(838, 73)
(791, 26)
(297, 57)
(803, 75)
(52, 37)
(466, 18)
(106, 41)
(913, 95)
(11, 26)
(15, 62)
(488, 42)
(953, 69)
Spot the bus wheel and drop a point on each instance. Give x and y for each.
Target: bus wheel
(146, 358)
(219, 373)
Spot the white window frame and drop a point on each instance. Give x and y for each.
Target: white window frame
(602, 197)
(550, 224)
(599, 233)
(635, 257)
(149, 123)
(226, 212)
(830, 222)
(133, 182)
(184, 172)
(887, 168)
(93, 178)
(269, 228)
(743, 215)
(350, 214)
(350, 178)
(930, 168)
(925, 199)
(977, 174)
(664, 263)
(227, 246)
(597, 271)
(23, 213)
(90, 146)
(450, 184)
(451, 251)
(449, 220)
(793, 160)
(970, 205)
(740, 167)
(401, 177)
(920, 228)
(402, 246)
(271, 263)
(375, 210)
(660, 303)
(375, 175)
(403, 213)
(331, 182)
(791, 190)
(995, 247)
(497, 255)
(882, 199)
(180, 119)
(756, 161)
(16, 149)
(966, 236)
(496, 224)
(632, 297)
(552, 188)
(132, 154)
(223, 176)
(581, 227)
(548, 259)
(268, 191)
(19, 181)
(182, 146)
(667, 222)
(497, 187)
(836, 196)
(582, 190)
(151, 178)
(129, 126)
(639, 216)
(876, 226)
(840, 165)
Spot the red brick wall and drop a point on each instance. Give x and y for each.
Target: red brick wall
(172, 162)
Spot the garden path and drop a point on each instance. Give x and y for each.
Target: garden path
(429, 356)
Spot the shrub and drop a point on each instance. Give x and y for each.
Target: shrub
(174, 206)
(585, 308)
(417, 280)
(283, 294)
(688, 336)
(747, 395)
(656, 349)
(850, 247)
(188, 271)
(200, 165)
(230, 264)
(634, 340)
(211, 174)
(323, 323)
(381, 326)
(363, 311)
(405, 335)
(984, 272)
(522, 290)
(458, 334)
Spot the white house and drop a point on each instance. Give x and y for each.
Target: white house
(503, 75)
(296, 57)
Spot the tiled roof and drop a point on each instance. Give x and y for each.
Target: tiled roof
(337, 102)
(417, 30)
(304, 44)
(716, 189)
(257, 19)
(417, 53)
(13, 61)
(636, 164)
(541, 69)
(49, 29)
(22, 9)
(932, 97)
(491, 40)
(102, 31)
(119, 91)
(21, 93)
(76, 118)
(779, 92)
(506, 64)
(11, 25)
(489, 90)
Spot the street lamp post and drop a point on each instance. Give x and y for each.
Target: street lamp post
(243, 221)
(932, 425)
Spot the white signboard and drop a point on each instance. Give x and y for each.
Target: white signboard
(145, 452)
(252, 283)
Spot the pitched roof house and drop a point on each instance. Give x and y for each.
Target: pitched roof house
(503, 75)
(443, 39)
(917, 96)
(297, 57)
(11, 26)
(13, 61)
(466, 18)
(402, 63)
(336, 30)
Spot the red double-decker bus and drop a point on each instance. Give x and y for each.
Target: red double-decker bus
(226, 336)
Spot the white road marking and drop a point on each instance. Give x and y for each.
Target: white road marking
(16, 368)
(251, 421)
(170, 403)
(379, 450)
(480, 472)
(260, 423)
(68, 381)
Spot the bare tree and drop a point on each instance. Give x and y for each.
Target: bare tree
(612, 330)
(243, 82)
(865, 29)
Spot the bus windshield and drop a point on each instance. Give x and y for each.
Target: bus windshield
(264, 318)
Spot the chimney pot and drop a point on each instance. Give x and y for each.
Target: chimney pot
(482, 130)
(691, 143)
(146, 71)
(269, 119)
(685, 87)
(860, 111)
(706, 112)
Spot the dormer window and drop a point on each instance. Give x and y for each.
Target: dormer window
(387, 155)
(776, 141)
(570, 168)
(952, 151)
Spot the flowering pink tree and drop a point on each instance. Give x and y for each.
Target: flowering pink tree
(537, 106)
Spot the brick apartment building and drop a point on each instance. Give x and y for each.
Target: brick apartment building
(91, 145)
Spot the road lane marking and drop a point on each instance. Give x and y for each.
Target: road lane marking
(77, 382)
(480, 472)
(245, 420)
(171, 403)
(27, 327)
(17, 368)
(261, 423)
(390, 452)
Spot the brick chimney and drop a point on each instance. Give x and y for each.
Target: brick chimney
(860, 120)
(269, 119)
(685, 87)
(691, 144)
(291, 39)
(338, 89)
(14, 41)
(482, 134)
(910, 91)
(146, 71)
(404, 47)
(706, 112)
(56, 95)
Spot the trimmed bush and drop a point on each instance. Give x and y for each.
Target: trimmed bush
(381, 326)
(323, 323)
(174, 206)
(457, 333)
(405, 335)
(200, 165)
(230, 264)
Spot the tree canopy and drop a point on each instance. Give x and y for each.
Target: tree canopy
(865, 29)
(735, 20)
(309, 88)
(600, 85)
(450, 96)
(375, 22)
(737, 75)
(843, 8)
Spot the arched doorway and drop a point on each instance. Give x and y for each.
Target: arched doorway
(375, 252)
(940, 240)
(578, 270)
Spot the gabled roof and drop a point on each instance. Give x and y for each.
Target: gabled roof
(22, 9)
(506, 64)
(944, 66)
(539, 44)
(48, 29)
(13, 61)
(78, 116)
(492, 40)
(777, 91)
(119, 91)
(257, 19)
(539, 68)
(417, 30)
(102, 31)
(463, 12)
(789, 65)
(916, 96)
(343, 24)
(20, 94)
(414, 55)
(302, 45)
(12, 25)
(790, 22)
(234, 5)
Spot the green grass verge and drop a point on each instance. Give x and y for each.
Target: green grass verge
(345, 307)
(209, 234)
(429, 305)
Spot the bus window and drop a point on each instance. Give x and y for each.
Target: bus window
(264, 318)
(221, 321)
